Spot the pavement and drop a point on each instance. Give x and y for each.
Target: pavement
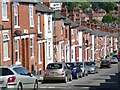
(40, 77)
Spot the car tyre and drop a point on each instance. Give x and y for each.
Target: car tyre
(77, 76)
(81, 75)
(36, 85)
(19, 87)
(66, 79)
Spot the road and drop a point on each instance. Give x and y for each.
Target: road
(106, 79)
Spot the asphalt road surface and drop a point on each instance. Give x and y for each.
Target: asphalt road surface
(106, 79)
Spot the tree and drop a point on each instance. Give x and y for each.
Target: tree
(107, 18)
(108, 6)
(71, 5)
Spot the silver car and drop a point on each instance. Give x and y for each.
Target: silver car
(92, 67)
(17, 77)
(113, 60)
(57, 71)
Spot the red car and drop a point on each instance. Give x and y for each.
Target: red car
(105, 63)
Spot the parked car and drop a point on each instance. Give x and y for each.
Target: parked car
(83, 68)
(75, 70)
(17, 77)
(117, 56)
(57, 71)
(105, 63)
(113, 60)
(92, 67)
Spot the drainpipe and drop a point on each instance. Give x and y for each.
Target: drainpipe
(12, 50)
(70, 42)
(54, 38)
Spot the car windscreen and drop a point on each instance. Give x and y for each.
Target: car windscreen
(5, 72)
(70, 65)
(21, 70)
(79, 64)
(90, 63)
(54, 66)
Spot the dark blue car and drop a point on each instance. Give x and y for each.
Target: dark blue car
(75, 70)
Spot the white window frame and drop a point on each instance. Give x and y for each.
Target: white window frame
(4, 10)
(49, 53)
(6, 40)
(31, 15)
(62, 26)
(32, 46)
(17, 50)
(39, 22)
(16, 23)
(39, 54)
(62, 50)
(49, 19)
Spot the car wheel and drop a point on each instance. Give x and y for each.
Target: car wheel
(81, 75)
(19, 87)
(77, 76)
(70, 78)
(84, 74)
(87, 74)
(66, 79)
(36, 85)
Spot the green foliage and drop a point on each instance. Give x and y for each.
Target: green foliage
(71, 5)
(107, 18)
(108, 6)
(95, 21)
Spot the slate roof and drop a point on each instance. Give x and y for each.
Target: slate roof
(96, 32)
(72, 24)
(42, 8)
(57, 16)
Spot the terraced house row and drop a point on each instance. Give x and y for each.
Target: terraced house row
(33, 35)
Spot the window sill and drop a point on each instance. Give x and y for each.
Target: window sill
(31, 26)
(5, 19)
(18, 63)
(62, 57)
(32, 56)
(40, 62)
(6, 59)
(16, 26)
(49, 58)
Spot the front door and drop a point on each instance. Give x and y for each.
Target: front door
(25, 54)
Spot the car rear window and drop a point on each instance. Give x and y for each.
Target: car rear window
(5, 72)
(70, 65)
(90, 63)
(79, 64)
(54, 66)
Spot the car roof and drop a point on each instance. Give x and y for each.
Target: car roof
(11, 66)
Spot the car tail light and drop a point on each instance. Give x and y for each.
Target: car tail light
(63, 72)
(11, 79)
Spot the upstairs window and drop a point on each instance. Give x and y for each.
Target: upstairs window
(49, 23)
(16, 14)
(39, 23)
(62, 26)
(31, 15)
(4, 9)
